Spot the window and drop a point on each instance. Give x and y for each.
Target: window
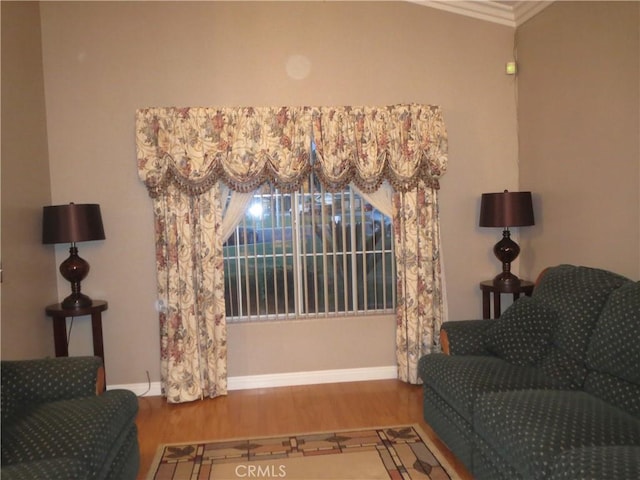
(309, 253)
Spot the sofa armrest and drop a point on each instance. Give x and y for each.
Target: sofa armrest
(32, 382)
(464, 337)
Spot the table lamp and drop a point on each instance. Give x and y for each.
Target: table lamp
(506, 209)
(70, 224)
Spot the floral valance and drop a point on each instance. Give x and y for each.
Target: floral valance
(244, 147)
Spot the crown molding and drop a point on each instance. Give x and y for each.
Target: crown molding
(524, 10)
(511, 14)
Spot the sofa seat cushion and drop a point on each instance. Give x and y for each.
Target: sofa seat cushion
(530, 428)
(87, 429)
(461, 379)
(596, 463)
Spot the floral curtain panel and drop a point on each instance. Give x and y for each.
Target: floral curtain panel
(420, 306)
(190, 282)
(184, 154)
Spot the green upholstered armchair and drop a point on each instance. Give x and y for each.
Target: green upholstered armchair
(57, 423)
(549, 390)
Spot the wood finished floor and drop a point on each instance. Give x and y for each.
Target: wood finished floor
(283, 410)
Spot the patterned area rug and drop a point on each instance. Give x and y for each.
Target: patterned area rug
(395, 453)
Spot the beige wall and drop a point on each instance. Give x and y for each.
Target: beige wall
(29, 270)
(579, 128)
(102, 61)
(578, 133)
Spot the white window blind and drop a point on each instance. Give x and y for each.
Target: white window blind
(309, 253)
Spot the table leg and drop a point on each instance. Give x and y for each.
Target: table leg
(496, 305)
(60, 336)
(98, 349)
(96, 327)
(486, 305)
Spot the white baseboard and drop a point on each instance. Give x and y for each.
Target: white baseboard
(311, 378)
(281, 379)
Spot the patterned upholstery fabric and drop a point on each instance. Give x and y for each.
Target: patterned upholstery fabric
(465, 336)
(613, 357)
(55, 429)
(597, 463)
(522, 334)
(569, 409)
(577, 295)
(126, 462)
(454, 430)
(624, 395)
(29, 382)
(518, 424)
(559, 364)
(57, 423)
(462, 379)
(614, 345)
(488, 464)
(49, 469)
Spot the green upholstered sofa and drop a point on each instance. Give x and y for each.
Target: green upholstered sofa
(58, 425)
(551, 389)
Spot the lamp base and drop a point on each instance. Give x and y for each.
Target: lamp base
(506, 250)
(74, 269)
(76, 301)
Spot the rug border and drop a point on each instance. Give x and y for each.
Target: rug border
(416, 426)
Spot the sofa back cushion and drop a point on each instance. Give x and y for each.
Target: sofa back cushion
(577, 294)
(522, 334)
(613, 356)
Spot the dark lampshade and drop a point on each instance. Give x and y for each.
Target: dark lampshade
(506, 209)
(70, 224)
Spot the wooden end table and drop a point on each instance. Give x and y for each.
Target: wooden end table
(60, 314)
(488, 288)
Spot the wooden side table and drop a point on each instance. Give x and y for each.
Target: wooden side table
(60, 315)
(488, 288)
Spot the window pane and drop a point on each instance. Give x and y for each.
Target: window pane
(307, 254)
